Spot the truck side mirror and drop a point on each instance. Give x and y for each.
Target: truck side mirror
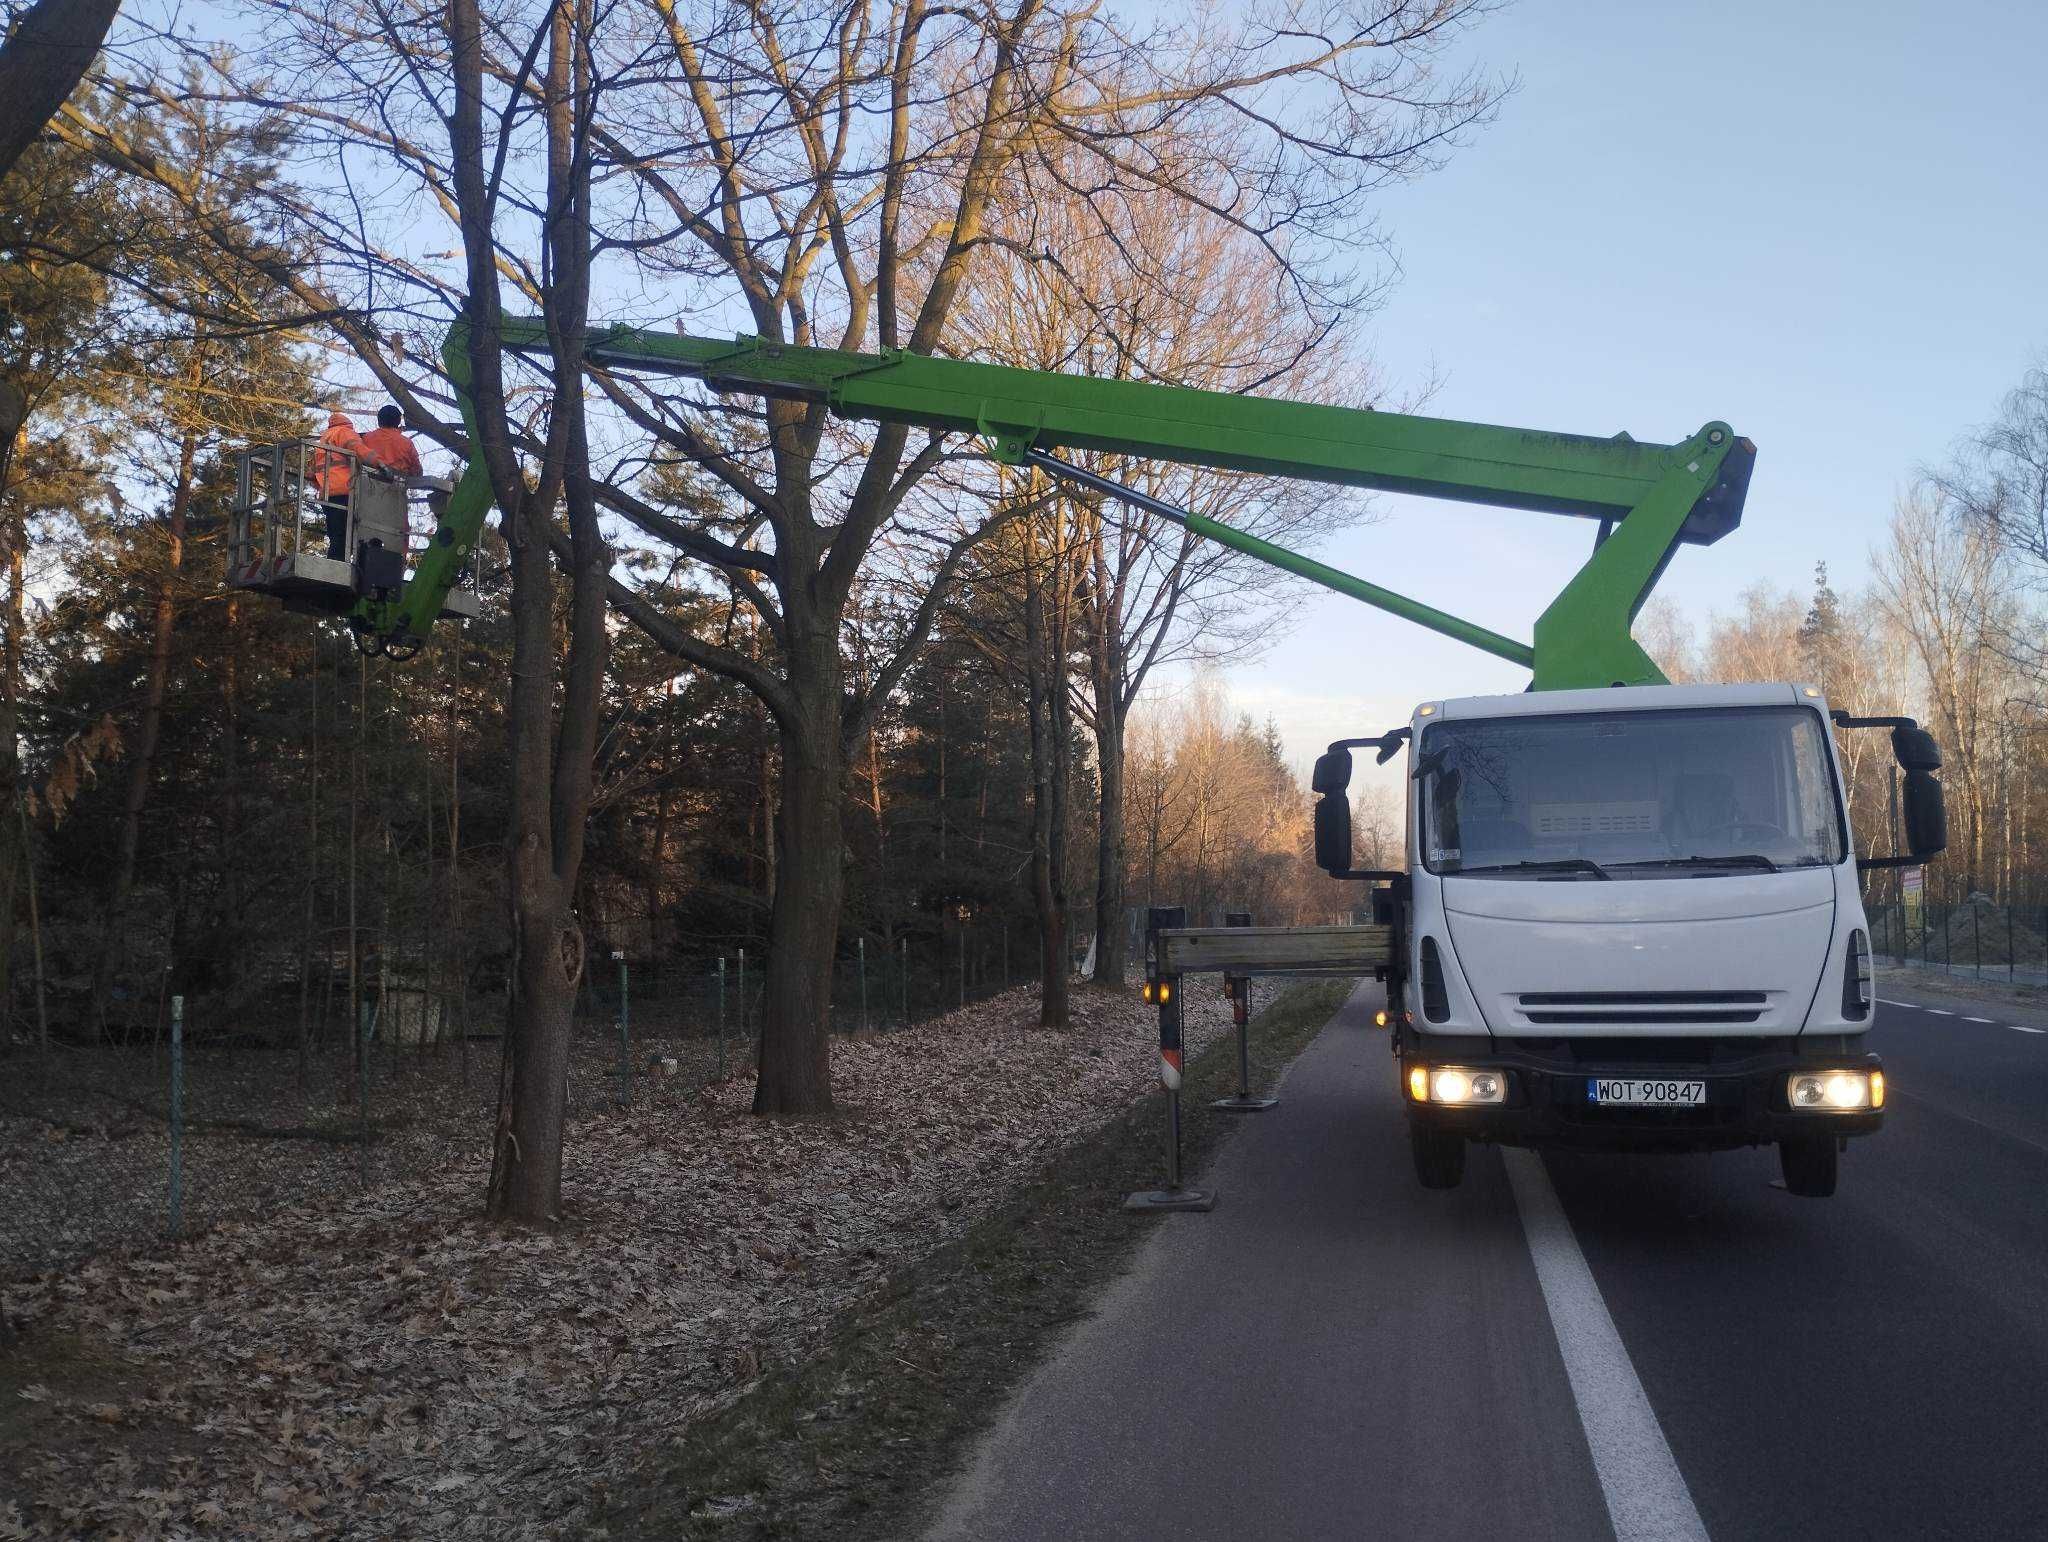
(1333, 831)
(1915, 749)
(1332, 774)
(1926, 812)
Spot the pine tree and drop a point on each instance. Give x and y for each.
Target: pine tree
(1822, 641)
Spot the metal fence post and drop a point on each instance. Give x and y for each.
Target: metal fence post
(1977, 936)
(721, 1017)
(2011, 973)
(625, 1038)
(177, 1216)
(1239, 988)
(1162, 988)
(861, 947)
(904, 977)
(963, 963)
(743, 993)
(368, 1030)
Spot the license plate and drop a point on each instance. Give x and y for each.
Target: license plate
(1645, 1094)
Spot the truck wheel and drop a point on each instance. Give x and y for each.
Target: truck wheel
(1810, 1165)
(1439, 1157)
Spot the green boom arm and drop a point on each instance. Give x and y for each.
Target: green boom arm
(402, 623)
(1652, 497)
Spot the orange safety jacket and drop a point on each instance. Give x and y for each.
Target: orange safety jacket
(331, 472)
(390, 448)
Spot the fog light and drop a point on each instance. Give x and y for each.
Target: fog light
(1835, 1091)
(1418, 1083)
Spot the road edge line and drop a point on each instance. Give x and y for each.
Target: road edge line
(1646, 1494)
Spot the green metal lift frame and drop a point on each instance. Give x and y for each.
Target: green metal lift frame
(1648, 498)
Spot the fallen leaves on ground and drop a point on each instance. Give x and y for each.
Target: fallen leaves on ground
(387, 1364)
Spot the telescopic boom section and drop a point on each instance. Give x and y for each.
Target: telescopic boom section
(1651, 497)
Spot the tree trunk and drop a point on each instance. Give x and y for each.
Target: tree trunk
(354, 1026)
(552, 751)
(657, 869)
(795, 1049)
(458, 939)
(941, 672)
(51, 47)
(884, 890)
(1060, 765)
(142, 764)
(1109, 822)
(526, 1178)
(13, 848)
(35, 935)
(1042, 680)
(312, 863)
(231, 803)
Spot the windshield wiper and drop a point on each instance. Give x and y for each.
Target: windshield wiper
(1550, 865)
(1736, 859)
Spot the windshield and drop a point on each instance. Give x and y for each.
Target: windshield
(1629, 794)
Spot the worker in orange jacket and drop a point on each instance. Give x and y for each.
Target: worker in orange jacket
(388, 446)
(332, 467)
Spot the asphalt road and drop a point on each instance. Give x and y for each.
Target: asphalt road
(1567, 1346)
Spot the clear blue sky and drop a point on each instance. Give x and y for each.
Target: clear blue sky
(1826, 222)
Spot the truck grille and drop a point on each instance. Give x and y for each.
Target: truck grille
(1588, 1007)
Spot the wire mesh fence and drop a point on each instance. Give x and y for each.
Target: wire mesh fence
(1977, 939)
(223, 1114)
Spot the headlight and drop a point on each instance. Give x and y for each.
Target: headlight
(1455, 1085)
(1835, 1091)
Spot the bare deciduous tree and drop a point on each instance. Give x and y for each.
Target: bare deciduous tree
(1998, 478)
(854, 173)
(1940, 582)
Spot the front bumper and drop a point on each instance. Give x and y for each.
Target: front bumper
(1547, 1101)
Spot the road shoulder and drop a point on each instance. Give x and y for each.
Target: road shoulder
(852, 1437)
(1963, 994)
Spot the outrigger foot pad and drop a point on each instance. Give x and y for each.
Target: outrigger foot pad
(1172, 1199)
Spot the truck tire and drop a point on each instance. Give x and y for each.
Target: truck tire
(1439, 1157)
(1810, 1165)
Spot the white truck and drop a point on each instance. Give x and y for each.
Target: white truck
(1632, 921)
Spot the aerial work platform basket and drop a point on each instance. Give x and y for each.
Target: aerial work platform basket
(280, 535)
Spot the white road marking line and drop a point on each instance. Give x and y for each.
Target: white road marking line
(2023, 1028)
(1937, 1011)
(1891, 1003)
(1647, 1500)
(1980, 1019)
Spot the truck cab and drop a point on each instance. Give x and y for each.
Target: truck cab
(1632, 920)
